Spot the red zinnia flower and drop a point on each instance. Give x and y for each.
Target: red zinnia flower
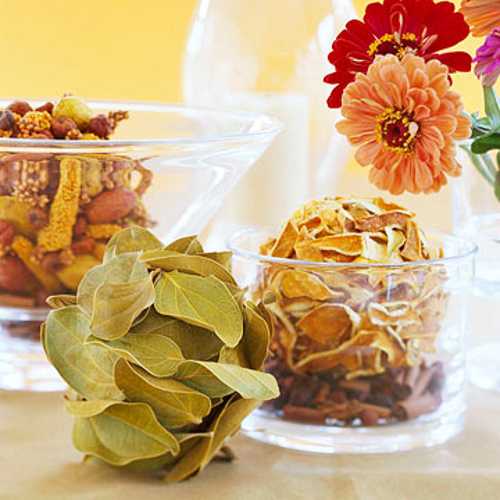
(398, 27)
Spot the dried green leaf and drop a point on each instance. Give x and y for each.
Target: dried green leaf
(194, 342)
(157, 354)
(123, 433)
(88, 369)
(131, 239)
(87, 409)
(175, 404)
(187, 244)
(226, 424)
(114, 294)
(58, 301)
(193, 264)
(252, 350)
(223, 258)
(202, 301)
(220, 379)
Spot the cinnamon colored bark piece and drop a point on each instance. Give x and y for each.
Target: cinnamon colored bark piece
(300, 413)
(414, 407)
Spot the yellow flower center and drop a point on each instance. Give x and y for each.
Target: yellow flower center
(397, 130)
(396, 44)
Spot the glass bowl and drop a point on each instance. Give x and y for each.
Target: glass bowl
(167, 167)
(369, 357)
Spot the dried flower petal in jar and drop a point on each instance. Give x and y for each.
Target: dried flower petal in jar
(364, 309)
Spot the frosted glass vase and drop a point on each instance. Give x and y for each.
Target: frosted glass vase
(271, 56)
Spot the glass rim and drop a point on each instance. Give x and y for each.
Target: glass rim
(471, 250)
(270, 127)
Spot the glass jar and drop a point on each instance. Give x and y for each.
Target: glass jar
(167, 168)
(369, 357)
(271, 57)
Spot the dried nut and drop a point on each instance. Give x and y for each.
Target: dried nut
(20, 107)
(43, 134)
(101, 126)
(52, 262)
(110, 206)
(83, 246)
(369, 417)
(7, 233)
(48, 106)
(74, 108)
(61, 126)
(74, 134)
(38, 218)
(80, 227)
(15, 276)
(41, 297)
(7, 121)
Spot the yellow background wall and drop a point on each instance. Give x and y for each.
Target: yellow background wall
(120, 49)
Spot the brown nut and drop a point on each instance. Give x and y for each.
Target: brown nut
(110, 206)
(38, 218)
(52, 262)
(80, 227)
(61, 126)
(7, 121)
(20, 107)
(83, 246)
(7, 233)
(48, 106)
(15, 276)
(101, 126)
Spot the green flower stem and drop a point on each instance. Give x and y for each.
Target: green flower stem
(485, 168)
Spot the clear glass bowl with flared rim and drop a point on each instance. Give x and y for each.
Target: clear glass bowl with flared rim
(381, 367)
(176, 164)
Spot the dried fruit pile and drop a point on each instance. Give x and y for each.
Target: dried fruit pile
(57, 211)
(354, 344)
(162, 355)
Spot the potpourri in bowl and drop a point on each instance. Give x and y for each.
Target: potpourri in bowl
(369, 316)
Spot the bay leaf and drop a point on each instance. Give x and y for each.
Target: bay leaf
(122, 269)
(187, 442)
(193, 341)
(58, 301)
(88, 369)
(187, 245)
(87, 409)
(175, 404)
(157, 354)
(123, 433)
(252, 350)
(114, 294)
(131, 239)
(193, 264)
(201, 301)
(223, 258)
(227, 422)
(220, 379)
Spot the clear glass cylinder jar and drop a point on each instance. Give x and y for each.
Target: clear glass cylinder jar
(369, 357)
(271, 57)
(167, 168)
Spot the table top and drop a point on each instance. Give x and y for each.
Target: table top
(38, 461)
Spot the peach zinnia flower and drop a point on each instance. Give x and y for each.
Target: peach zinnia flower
(481, 15)
(405, 120)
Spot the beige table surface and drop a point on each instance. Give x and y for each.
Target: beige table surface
(37, 461)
